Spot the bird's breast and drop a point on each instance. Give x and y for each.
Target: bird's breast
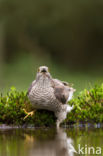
(43, 97)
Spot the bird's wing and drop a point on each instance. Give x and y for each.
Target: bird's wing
(29, 90)
(63, 82)
(61, 91)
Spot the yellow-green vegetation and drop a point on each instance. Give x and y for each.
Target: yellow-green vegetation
(88, 107)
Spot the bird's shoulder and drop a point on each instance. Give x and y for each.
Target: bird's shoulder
(62, 83)
(61, 90)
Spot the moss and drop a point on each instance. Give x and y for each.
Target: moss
(88, 107)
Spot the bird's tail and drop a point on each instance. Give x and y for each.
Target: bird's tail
(69, 108)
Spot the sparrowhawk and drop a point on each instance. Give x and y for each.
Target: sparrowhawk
(50, 94)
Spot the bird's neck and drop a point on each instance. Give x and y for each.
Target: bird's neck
(44, 82)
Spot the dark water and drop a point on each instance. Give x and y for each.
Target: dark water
(51, 142)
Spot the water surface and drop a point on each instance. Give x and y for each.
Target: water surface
(50, 142)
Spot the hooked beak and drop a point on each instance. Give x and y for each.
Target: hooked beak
(44, 71)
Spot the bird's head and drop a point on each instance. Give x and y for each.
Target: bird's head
(43, 69)
(43, 72)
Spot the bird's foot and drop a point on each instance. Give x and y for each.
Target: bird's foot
(28, 113)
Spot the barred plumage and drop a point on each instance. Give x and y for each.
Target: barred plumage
(51, 94)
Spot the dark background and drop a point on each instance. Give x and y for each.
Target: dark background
(65, 35)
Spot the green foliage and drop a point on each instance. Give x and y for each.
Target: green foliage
(11, 107)
(12, 110)
(88, 107)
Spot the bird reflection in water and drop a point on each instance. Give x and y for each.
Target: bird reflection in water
(64, 144)
(60, 145)
(48, 142)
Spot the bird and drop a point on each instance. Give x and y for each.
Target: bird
(50, 94)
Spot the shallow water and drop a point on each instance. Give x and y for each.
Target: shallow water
(51, 142)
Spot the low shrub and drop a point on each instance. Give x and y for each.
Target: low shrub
(88, 106)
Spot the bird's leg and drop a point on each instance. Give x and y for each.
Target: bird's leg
(58, 124)
(28, 113)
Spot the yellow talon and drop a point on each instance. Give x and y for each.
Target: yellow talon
(28, 113)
